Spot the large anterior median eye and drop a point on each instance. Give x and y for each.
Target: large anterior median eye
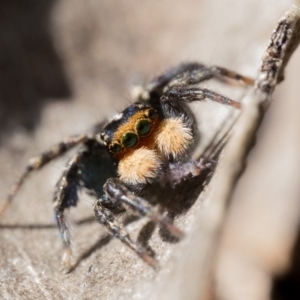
(143, 127)
(129, 139)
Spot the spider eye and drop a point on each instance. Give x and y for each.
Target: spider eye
(129, 139)
(152, 114)
(114, 148)
(143, 127)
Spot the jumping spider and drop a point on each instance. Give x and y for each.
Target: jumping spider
(144, 145)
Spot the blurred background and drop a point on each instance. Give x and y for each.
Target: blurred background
(66, 64)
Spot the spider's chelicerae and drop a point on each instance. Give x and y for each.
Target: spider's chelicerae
(141, 149)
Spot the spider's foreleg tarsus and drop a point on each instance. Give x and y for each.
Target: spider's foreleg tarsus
(116, 190)
(106, 218)
(39, 161)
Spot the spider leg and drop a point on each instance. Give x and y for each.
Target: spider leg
(202, 73)
(196, 94)
(190, 74)
(219, 71)
(158, 83)
(65, 197)
(117, 191)
(38, 162)
(106, 218)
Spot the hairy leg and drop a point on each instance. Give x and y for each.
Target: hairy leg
(65, 197)
(106, 218)
(191, 74)
(196, 94)
(38, 162)
(199, 73)
(116, 190)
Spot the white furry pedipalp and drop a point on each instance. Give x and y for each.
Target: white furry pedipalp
(139, 166)
(173, 137)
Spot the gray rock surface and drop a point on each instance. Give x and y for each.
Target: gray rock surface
(97, 49)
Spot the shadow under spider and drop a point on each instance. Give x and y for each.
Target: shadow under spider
(103, 241)
(44, 226)
(177, 201)
(174, 201)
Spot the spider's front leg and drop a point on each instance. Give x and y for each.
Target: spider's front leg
(65, 197)
(38, 162)
(119, 193)
(190, 74)
(196, 73)
(196, 94)
(106, 218)
(180, 86)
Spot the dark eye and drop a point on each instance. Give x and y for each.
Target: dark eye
(143, 127)
(129, 139)
(114, 148)
(152, 114)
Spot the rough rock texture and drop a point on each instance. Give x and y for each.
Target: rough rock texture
(67, 64)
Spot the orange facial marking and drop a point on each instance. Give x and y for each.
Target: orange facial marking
(130, 126)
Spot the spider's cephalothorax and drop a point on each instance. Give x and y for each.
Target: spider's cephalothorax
(143, 139)
(146, 144)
